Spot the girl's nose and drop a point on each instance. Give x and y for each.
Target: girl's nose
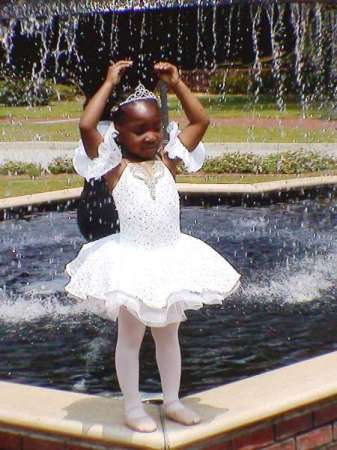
(150, 138)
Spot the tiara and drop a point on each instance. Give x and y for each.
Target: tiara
(140, 93)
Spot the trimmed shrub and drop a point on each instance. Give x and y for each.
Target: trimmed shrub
(21, 168)
(290, 162)
(61, 165)
(22, 92)
(236, 82)
(65, 92)
(241, 82)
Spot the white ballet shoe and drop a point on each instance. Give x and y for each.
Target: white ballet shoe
(178, 412)
(138, 420)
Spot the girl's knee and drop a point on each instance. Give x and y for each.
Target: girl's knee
(130, 330)
(162, 335)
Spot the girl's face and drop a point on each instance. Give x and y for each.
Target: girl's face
(140, 129)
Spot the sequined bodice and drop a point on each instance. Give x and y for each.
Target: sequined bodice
(147, 201)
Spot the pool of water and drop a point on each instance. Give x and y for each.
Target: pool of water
(284, 312)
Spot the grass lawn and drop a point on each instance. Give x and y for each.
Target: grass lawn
(233, 106)
(14, 186)
(271, 134)
(26, 131)
(229, 106)
(69, 132)
(56, 110)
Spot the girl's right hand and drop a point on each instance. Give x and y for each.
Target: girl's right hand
(117, 70)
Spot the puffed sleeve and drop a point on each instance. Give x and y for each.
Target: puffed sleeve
(109, 155)
(193, 160)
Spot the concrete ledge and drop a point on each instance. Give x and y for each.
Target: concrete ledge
(38, 199)
(256, 399)
(256, 189)
(64, 416)
(295, 403)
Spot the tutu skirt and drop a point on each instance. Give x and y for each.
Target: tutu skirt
(156, 284)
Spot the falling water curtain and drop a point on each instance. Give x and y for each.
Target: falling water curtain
(73, 40)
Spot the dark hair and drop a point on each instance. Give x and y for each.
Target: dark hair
(118, 96)
(118, 115)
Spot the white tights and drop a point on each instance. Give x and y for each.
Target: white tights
(130, 336)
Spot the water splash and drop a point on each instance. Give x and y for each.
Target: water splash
(297, 282)
(29, 308)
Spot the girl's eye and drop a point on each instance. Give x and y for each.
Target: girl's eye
(143, 130)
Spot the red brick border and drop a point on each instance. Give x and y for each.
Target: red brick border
(292, 426)
(9, 441)
(307, 428)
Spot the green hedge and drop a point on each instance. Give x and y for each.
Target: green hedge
(61, 165)
(241, 82)
(66, 92)
(236, 83)
(22, 92)
(290, 162)
(21, 168)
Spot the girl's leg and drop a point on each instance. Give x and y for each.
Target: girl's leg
(130, 336)
(168, 358)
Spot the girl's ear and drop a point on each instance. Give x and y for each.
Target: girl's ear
(117, 139)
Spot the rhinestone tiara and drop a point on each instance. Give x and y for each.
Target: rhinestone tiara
(140, 93)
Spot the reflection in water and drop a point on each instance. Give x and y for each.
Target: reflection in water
(286, 253)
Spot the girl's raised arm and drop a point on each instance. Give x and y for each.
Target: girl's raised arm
(192, 134)
(92, 138)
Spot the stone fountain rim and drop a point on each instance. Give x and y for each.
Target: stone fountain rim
(254, 190)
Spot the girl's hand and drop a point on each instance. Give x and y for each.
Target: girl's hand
(117, 70)
(167, 72)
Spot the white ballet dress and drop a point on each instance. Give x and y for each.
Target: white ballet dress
(149, 267)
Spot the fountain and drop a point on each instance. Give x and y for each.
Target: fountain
(274, 247)
(50, 39)
(47, 339)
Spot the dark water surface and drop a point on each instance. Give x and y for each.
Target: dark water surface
(285, 311)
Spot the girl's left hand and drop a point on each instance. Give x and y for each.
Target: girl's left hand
(167, 72)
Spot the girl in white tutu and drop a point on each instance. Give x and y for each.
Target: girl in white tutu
(150, 272)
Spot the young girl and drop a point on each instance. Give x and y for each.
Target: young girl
(150, 272)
